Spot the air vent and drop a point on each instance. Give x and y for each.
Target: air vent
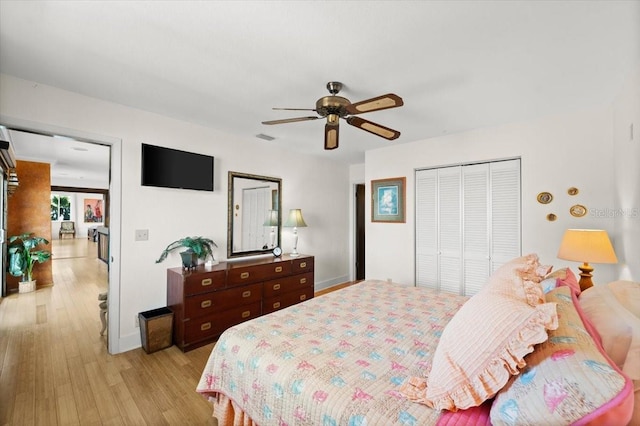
(265, 137)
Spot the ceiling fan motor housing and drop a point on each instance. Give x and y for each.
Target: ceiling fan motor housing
(336, 105)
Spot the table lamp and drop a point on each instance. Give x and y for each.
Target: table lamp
(272, 221)
(586, 245)
(296, 221)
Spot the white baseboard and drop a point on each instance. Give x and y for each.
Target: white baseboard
(330, 283)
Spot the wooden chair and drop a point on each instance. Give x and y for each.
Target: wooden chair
(102, 297)
(67, 227)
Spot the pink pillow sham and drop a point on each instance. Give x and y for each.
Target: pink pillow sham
(487, 339)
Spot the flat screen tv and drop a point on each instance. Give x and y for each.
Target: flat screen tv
(172, 168)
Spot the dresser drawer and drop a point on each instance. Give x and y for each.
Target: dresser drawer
(274, 288)
(241, 275)
(214, 325)
(287, 299)
(302, 265)
(203, 304)
(204, 282)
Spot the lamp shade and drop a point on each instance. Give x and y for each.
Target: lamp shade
(295, 219)
(272, 218)
(587, 245)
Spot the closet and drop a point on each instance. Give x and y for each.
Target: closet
(467, 223)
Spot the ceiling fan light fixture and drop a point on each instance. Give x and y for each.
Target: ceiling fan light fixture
(332, 119)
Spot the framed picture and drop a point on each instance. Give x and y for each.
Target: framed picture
(92, 210)
(387, 200)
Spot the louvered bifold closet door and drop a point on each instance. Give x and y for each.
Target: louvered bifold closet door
(505, 212)
(427, 228)
(467, 224)
(450, 229)
(475, 189)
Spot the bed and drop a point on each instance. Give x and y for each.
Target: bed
(376, 353)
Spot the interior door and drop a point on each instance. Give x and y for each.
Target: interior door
(360, 233)
(3, 232)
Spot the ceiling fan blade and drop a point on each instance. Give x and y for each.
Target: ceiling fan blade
(294, 109)
(374, 128)
(375, 104)
(331, 133)
(290, 120)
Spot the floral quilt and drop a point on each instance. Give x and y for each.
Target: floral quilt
(337, 359)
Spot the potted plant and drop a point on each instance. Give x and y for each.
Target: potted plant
(23, 255)
(196, 248)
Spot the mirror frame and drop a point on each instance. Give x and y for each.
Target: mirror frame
(230, 216)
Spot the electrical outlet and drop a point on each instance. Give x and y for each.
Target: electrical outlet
(142, 234)
(136, 321)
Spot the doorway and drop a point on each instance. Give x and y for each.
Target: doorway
(360, 232)
(58, 135)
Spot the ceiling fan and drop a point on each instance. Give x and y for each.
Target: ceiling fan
(334, 107)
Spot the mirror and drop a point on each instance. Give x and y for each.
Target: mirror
(254, 214)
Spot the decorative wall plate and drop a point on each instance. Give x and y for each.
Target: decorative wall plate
(578, 210)
(545, 197)
(551, 217)
(572, 191)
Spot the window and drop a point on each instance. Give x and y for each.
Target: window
(60, 207)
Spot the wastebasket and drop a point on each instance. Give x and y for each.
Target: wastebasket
(156, 329)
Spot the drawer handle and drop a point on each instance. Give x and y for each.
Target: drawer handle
(303, 264)
(205, 326)
(245, 314)
(244, 275)
(278, 268)
(246, 294)
(303, 297)
(276, 286)
(276, 305)
(206, 282)
(205, 303)
(303, 280)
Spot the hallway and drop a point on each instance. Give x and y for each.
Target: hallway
(54, 365)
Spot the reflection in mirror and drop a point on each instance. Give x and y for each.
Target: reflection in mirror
(254, 214)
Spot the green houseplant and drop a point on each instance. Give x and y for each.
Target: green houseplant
(23, 255)
(196, 248)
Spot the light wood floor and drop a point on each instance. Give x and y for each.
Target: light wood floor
(55, 368)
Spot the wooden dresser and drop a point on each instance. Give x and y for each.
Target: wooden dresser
(208, 300)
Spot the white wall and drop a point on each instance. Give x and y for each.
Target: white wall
(557, 153)
(317, 186)
(625, 213)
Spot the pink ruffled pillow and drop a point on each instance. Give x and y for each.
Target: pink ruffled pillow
(475, 358)
(487, 339)
(520, 279)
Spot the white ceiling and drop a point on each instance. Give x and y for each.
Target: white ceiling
(458, 65)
